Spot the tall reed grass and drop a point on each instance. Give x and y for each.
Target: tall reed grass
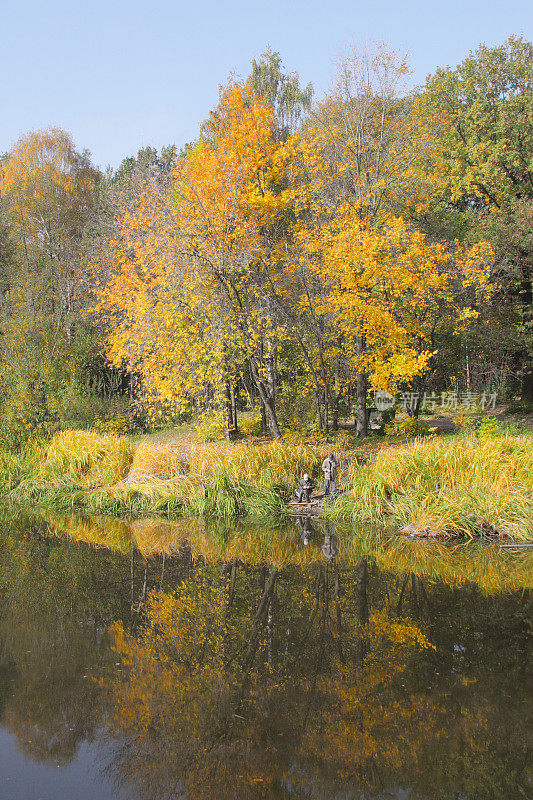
(87, 459)
(18, 467)
(455, 486)
(217, 480)
(159, 462)
(243, 462)
(445, 487)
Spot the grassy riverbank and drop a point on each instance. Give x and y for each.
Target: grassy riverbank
(460, 485)
(109, 474)
(463, 484)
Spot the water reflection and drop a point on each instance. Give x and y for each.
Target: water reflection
(322, 676)
(305, 528)
(491, 568)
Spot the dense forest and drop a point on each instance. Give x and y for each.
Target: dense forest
(300, 254)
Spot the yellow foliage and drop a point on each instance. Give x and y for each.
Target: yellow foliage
(176, 292)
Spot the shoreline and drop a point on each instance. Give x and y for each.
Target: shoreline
(432, 487)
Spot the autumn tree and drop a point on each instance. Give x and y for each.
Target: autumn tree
(398, 291)
(280, 91)
(288, 101)
(47, 195)
(362, 157)
(293, 236)
(231, 198)
(185, 292)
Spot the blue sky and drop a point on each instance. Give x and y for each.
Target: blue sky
(121, 75)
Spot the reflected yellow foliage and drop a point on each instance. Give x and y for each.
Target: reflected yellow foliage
(490, 567)
(236, 680)
(232, 724)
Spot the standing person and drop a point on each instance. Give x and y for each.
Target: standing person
(329, 468)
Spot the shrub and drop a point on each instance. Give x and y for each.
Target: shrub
(251, 425)
(209, 427)
(120, 424)
(488, 427)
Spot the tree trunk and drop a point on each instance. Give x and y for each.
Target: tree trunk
(319, 411)
(360, 412)
(268, 405)
(264, 423)
(271, 387)
(233, 403)
(271, 415)
(271, 377)
(419, 385)
(229, 415)
(361, 390)
(336, 395)
(526, 297)
(248, 386)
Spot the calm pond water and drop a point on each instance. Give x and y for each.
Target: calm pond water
(183, 661)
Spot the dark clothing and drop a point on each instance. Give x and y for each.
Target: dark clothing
(303, 492)
(329, 487)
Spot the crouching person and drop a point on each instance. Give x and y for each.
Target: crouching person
(305, 487)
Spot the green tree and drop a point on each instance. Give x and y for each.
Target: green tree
(280, 90)
(47, 199)
(486, 108)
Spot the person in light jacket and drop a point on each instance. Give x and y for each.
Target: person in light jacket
(329, 468)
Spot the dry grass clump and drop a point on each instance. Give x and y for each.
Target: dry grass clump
(158, 462)
(248, 461)
(464, 485)
(87, 459)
